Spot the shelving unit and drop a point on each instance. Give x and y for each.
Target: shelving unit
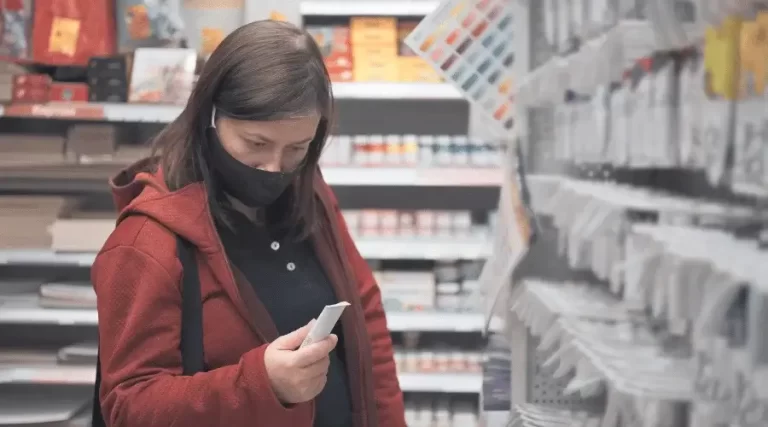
(641, 302)
(364, 108)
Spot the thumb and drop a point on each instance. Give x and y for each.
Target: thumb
(293, 340)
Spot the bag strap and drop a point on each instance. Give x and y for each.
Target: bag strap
(192, 350)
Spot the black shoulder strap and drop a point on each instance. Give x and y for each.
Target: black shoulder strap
(192, 354)
(192, 351)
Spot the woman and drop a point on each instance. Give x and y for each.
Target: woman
(237, 176)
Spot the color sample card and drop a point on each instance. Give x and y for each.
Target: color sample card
(470, 43)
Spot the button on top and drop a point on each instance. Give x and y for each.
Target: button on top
(275, 246)
(291, 266)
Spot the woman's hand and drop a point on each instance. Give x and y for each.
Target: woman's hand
(298, 374)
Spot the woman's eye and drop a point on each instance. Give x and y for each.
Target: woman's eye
(258, 144)
(300, 148)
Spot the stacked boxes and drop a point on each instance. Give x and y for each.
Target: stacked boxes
(31, 88)
(371, 49)
(108, 79)
(374, 49)
(411, 67)
(334, 44)
(7, 72)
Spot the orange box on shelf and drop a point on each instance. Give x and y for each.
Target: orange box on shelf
(368, 52)
(69, 92)
(333, 42)
(385, 71)
(366, 30)
(415, 69)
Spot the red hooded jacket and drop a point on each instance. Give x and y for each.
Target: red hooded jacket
(137, 280)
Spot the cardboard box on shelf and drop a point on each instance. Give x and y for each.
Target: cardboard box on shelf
(68, 92)
(415, 69)
(373, 31)
(333, 42)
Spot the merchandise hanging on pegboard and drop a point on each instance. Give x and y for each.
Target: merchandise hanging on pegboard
(665, 330)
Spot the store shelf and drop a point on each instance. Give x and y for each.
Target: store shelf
(30, 313)
(151, 113)
(45, 257)
(371, 248)
(441, 383)
(86, 375)
(420, 177)
(367, 8)
(393, 90)
(426, 321)
(53, 374)
(423, 248)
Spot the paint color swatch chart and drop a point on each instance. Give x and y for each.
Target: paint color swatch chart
(470, 43)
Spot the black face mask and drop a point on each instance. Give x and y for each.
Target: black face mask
(253, 187)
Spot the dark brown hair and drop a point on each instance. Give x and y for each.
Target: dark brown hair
(265, 70)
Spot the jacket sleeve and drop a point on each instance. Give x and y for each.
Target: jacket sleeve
(139, 305)
(389, 397)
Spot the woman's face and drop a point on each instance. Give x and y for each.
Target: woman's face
(274, 146)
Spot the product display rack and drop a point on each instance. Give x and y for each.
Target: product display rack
(641, 300)
(438, 349)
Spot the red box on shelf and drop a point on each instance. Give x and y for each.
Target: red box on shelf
(29, 95)
(337, 53)
(69, 92)
(32, 80)
(70, 32)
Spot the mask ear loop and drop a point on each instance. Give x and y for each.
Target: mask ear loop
(213, 117)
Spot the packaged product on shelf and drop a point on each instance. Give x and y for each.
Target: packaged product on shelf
(82, 232)
(388, 223)
(750, 166)
(370, 221)
(721, 54)
(31, 88)
(208, 22)
(426, 150)
(25, 220)
(462, 224)
(443, 151)
(91, 140)
(360, 150)
(108, 78)
(15, 29)
(406, 290)
(68, 92)
(162, 76)
(353, 219)
(411, 68)
(411, 150)
(70, 32)
(394, 150)
(149, 23)
(460, 146)
(334, 43)
(406, 223)
(8, 71)
(377, 149)
(444, 223)
(374, 48)
(425, 223)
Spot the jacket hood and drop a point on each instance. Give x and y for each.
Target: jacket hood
(140, 189)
